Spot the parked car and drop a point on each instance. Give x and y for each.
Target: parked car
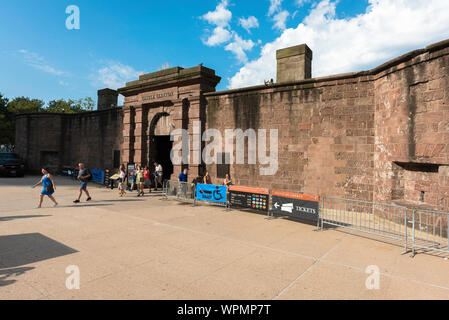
(11, 164)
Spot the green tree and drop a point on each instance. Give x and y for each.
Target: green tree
(9, 110)
(70, 106)
(5, 121)
(25, 105)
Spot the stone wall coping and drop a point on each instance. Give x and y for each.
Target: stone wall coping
(172, 77)
(368, 75)
(294, 51)
(80, 114)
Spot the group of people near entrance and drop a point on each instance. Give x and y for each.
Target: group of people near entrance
(140, 176)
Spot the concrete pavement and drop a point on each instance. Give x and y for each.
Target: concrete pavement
(150, 248)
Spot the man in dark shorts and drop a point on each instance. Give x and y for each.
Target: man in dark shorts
(83, 177)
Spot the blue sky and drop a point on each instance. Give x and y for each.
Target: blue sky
(118, 40)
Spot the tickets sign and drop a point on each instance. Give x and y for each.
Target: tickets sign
(295, 205)
(249, 198)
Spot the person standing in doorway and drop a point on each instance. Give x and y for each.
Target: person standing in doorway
(49, 188)
(158, 174)
(83, 177)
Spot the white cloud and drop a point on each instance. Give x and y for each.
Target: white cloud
(114, 75)
(38, 62)
(387, 29)
(219, 36)
(275, 6)
(239, 46)
(220, 16)
(301, 3)
(278, 15)
(249, 23)
(280, 20)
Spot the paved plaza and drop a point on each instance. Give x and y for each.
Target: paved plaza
(151, 248)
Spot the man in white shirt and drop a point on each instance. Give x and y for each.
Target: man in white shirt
(158, 174)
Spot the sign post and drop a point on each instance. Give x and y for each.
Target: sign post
(295, 205)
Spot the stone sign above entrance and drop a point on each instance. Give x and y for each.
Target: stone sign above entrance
(158, 103)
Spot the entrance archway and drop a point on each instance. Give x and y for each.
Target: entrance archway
(160, 142)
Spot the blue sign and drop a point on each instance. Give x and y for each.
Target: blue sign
(97, 176)
(210, 192)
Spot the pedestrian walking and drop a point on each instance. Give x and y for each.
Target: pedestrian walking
(83, 176)
(140, 181)
(49, 188)
(146, 177)
(121, 182)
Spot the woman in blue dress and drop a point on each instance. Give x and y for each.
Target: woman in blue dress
(49, 188)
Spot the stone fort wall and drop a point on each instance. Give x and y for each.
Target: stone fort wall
(380, 135)
(56, 140)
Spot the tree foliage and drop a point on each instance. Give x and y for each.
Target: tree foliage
(70, 106)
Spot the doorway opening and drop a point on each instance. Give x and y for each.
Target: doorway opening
(162, 148)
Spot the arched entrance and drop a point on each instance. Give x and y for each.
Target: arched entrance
(160, 144)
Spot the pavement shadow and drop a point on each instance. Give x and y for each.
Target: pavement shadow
(6, 273)
(3, 219)
(124, 200)
(24, 249)
(86, 205)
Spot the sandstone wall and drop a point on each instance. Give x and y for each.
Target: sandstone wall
(55, 140)
(379, 135)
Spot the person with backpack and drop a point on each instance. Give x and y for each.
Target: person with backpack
(49, 187)
(84, 177)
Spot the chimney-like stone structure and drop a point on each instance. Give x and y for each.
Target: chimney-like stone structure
(294, 63)
(107, 99)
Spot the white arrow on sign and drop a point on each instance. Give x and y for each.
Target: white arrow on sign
(276, 205)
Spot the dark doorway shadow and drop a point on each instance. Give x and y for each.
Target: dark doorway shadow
(2, 219)
(24, 249)
(6, 273)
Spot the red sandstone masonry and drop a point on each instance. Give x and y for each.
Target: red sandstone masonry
(342, 135)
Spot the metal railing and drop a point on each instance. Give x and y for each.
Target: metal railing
(430, 231)
(179, 190)
(385, 220)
